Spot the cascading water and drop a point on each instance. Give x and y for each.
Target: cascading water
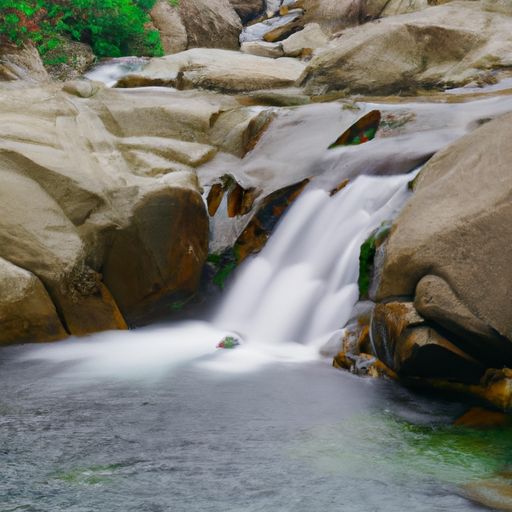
(303, 285)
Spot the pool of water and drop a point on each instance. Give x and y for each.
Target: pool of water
(215, 431)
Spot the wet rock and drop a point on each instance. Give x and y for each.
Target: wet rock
(210, 23)
(217, 69)
(249, 9)
(445, 45)
(282, 32)
(402, 341)
(311, 37)
(167, 20)
(27, 312)
(495, 493)
(257, 232)
(263, 49)
(215, 196)
(479, 417)
(257, 31)
(445, 231)
(21, 63)
(361, 131)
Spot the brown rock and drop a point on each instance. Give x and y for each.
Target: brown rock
(479, 417)
(160, 253)
(412, 349)
(26, 310)
(284, 31)
(257, 232)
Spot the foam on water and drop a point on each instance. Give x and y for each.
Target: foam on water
(284, 303)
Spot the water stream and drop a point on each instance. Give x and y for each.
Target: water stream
(158, 419)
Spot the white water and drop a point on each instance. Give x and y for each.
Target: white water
(286, 302)
(111, 70)
(303, 285)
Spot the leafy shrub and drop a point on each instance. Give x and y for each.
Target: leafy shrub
(112, 27)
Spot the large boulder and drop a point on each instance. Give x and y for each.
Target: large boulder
(107, 241)
(167, 20)
(449, 246)
(221, 70)
(442, 46)
(210, 23)
(26, 311)
(21, 63)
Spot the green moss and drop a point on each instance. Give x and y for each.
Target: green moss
(367, 257)
(398, 450)
(223, 265)
(93, 475)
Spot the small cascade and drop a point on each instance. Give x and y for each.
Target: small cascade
(303, 285)
(111, 70)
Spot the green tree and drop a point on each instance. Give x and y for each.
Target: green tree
(112, 27)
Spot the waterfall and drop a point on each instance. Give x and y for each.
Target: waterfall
(303, 285)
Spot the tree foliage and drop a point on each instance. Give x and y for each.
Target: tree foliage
(112, 27)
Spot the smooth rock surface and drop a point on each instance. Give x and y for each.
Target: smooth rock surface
(442, 46)
(310, 38)
(221, 70)
(458, 225)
